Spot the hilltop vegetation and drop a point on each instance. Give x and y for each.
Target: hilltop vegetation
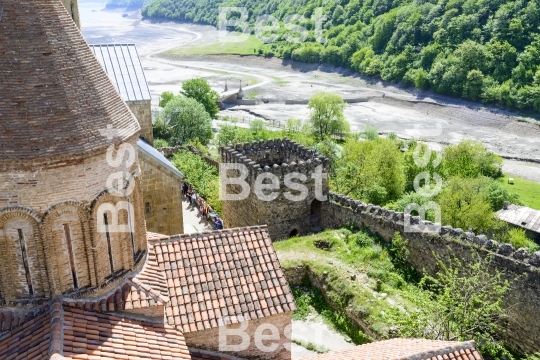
(482, 50)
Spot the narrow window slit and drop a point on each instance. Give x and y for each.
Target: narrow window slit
(69, 245)
(108, 235)
(25, 262)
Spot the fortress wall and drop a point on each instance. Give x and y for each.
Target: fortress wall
(523, 327)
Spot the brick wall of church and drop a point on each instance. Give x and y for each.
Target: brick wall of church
(162, 198)
(42, 186)
(52, 209)
(209, 339)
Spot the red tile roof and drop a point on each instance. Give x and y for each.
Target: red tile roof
(233, 272)
(89, 335)
(28, 341)
(78, 334)
(10, 319)
(405, 349)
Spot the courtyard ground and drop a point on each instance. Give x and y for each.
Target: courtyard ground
(193, 222)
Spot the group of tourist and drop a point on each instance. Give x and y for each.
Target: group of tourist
(205, 210)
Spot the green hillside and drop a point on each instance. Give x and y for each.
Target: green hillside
(482, 50)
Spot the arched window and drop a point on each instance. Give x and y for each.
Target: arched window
(69, 246)
(113, 218)
(23, 272)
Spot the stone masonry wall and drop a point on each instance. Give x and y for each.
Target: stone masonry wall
(143, 112)
(209, 339)
(523, 328)
(162, 198)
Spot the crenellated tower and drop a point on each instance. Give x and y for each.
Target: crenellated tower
(286, 216)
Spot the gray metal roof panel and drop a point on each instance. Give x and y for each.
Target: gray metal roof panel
(123, 65)
(521, 216)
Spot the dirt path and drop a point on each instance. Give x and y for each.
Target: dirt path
(193, 222)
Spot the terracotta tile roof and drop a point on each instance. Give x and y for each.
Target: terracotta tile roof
(146, 289)
(233, 272)
(89, 335)
(406, 349)
(30, 340)
(10, 319)
(54, 94)
(72, 333)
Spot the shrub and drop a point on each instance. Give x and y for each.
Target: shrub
(399, 250)
(519, 239)
(203, 177)
(160, 143)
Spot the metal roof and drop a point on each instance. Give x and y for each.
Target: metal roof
(123, 65)
(521, 216)
(157, 156)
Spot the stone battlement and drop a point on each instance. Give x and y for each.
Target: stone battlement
(481, 240)
(522, 269)
(284, 215)
(276, 156)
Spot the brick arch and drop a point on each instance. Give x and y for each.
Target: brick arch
(68, 243)
(110, 244)
(21, 270)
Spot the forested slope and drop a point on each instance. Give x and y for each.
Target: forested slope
(486, 50)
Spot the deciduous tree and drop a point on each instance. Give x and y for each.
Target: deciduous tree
(200, 90)
(327, 117)
(188, 120)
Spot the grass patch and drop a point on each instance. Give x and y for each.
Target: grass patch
(359, 275)
(279, 81)
(528, 191)
(252, 94)
(247, 47)
(311, 346)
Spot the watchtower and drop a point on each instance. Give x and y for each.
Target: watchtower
(286, 210)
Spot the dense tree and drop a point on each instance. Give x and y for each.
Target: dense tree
(464, 205)
(469, 159)
(165, 97)
(200, 90)
(187, 120)
(371, 170)
(482, 50)
(326, 116)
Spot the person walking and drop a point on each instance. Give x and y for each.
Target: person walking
(184, 189)
(194, 197)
